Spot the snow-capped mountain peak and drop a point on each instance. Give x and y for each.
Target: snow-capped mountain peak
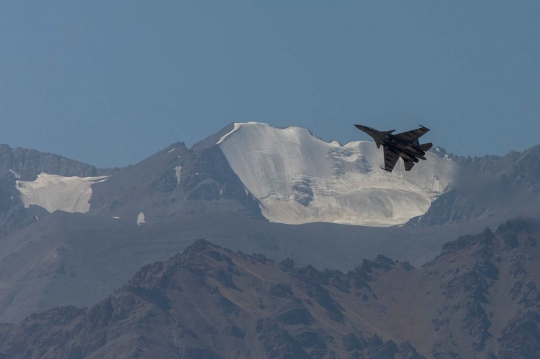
(299, 178)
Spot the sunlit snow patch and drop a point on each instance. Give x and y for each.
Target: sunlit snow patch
(178, 169)
(299, 178)
(53, 192)
(140, 219)
(236, 127)
(15, 174)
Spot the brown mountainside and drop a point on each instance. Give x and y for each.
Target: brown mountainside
(478, 299)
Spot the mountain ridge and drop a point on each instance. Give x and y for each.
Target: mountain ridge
(72, 258)
(212, 302)
(298, 198)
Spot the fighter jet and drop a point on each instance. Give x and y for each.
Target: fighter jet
(404, 145)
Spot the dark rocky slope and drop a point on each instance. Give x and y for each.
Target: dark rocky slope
(210, 303)
(175, 182)
(478, 299)
(503, 186)
(522, 167)
(27, 164)
(77, 259)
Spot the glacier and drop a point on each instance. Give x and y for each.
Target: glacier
(299, 178)
(54, 192)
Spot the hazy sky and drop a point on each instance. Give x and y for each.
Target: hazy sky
(111, 82)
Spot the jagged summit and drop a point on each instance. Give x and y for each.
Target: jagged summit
(439, 151)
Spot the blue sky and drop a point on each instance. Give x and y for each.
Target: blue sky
(111, 82)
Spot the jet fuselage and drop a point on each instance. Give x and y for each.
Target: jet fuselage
(386, 138)
(404, 145)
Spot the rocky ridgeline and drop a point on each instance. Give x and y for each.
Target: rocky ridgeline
(486, 294)
(478, 299)
(523, 166)
(176, 181)
(27, 164)
(211, 303)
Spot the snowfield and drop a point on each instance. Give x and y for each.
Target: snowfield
(53, 192)
(299, 178)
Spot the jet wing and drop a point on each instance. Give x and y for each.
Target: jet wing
(413, 135)
(390, 159)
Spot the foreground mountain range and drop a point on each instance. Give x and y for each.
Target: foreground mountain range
(478, 299)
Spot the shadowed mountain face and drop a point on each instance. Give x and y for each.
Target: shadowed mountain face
(522, 167)
(174, 182)
(506, 187)
(478, 299)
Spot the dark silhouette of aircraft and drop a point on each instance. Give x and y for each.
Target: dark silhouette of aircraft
(404, 145)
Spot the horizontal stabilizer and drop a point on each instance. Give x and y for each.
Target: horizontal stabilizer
(408, 164)
(426, 146)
